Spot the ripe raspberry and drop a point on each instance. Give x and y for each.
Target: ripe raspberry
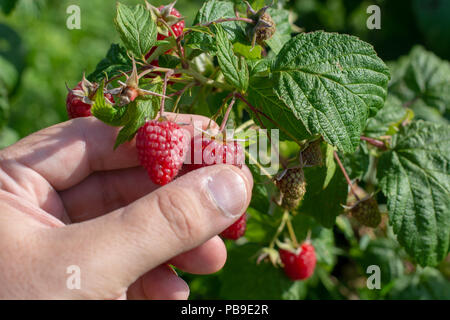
(236, 230)
(78, 102)
(367, 212)
(293, 187)
(299, 265)
(312, 155)
(206, 152)
(162, 147)
(169, 17)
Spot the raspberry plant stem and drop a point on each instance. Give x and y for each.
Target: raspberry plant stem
(247, 20)
(164, 89)
(374, 142)
(227, 115)
(280, 229)
(292, 232)
(347, 178)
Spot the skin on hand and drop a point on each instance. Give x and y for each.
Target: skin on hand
(67, 199)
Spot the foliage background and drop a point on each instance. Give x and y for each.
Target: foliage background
(38, 55)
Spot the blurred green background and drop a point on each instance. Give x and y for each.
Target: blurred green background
(39, 55)
(46, 54)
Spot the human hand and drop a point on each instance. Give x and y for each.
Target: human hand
(66, 198)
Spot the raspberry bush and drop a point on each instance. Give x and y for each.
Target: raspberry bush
(364, 166)
(322, 91)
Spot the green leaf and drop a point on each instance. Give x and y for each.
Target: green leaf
(116, 60)
(235, 70)
(415, 178)
(262, 96)
(324, 204)
(213, 10)
(283, 29)
(136, 29)
(332, 83)
(140, 110)
(429, 77)
(104, 111)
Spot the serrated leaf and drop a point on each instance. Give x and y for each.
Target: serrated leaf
(104, 111)
(234, 69)
(136, 29)
(415, 177)
(116, 60)
(323, 204)
(332, 83)
(262, 96)
(283, 29)
(429, 78)
(137, 113)
(213, 10)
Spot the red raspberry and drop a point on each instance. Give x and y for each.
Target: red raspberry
(236, 230)
(162, 147)
(207, 152)
(75, 105)
(301, 264)
(170, 18)
(177, 28)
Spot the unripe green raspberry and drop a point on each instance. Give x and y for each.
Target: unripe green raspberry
(293, 187)
(367, 212)
(264, 30)
(312, 155)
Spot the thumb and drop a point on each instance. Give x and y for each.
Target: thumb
(112, 251)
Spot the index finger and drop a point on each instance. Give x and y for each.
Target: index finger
(66, 153)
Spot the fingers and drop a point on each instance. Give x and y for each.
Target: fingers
(68, 152)
(117, 248)
(161, 283)
(103, 192)
(208, 258)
